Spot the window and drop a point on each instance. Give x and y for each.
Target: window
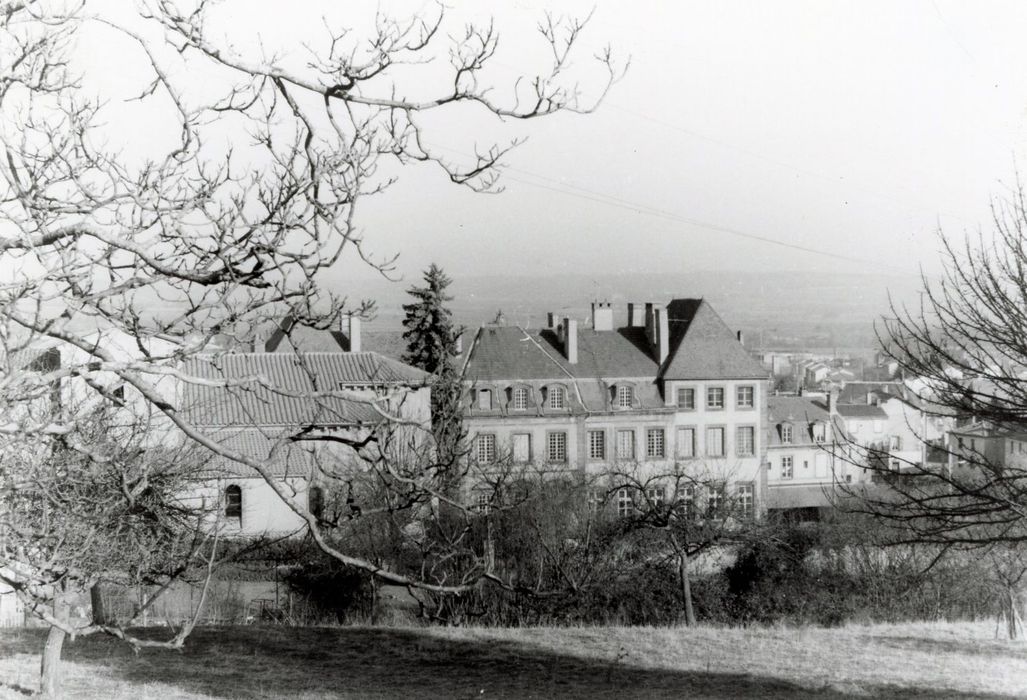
(714, 499)
(315, 501)
(625, 505)
(715, 398)
(485, 448)
(686, 399)
(878, 426)
(745, 397)
(686, 501)
(656, 495)
(714, 442)
(556, 447)
(520, 398)
(557, 397)
(746, 499)
(233, 503)
(483, 505)
(484, 399)
(819, 432)
(625, 444)
(786, 434)
(686, 442)
(655, 443)
(786, 468)
(521, 448)
(625, 397)
(745, 441)
(597, 444)
(896, 442)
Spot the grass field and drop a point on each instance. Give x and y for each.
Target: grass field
(937, 660)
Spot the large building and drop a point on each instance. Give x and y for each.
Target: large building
(672, 389)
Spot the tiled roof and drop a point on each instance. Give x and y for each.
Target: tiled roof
(291, 459)
(252, 403)
(703, 347)
(861, 410)
(856, 392)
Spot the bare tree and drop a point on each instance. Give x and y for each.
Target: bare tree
(964, 354)
(131, 263)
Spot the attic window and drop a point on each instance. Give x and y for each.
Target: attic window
(520, 398)
(786, 433)
(557, 397)
(484, 399)
(819, 432)
(625, 397)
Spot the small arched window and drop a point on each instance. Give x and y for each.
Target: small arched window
(557, 397)
(625, 397)
(233, 503)
(520, 398)
(316, 501)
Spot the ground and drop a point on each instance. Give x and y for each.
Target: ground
(928, 660)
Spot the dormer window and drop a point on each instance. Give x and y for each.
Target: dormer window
(819, 432)
(557, 398)
(786, 433)
(520, 398)
(625, 397)
(484, 399)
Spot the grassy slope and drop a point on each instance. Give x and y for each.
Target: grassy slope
(302, 664)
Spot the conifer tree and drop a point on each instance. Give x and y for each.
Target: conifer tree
(430, 333)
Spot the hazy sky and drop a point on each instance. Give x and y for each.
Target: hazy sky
(852, 128)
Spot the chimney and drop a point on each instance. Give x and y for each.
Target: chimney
(649, 332)
(551, 320)
(635, 317)
(832, 402)
(602, 316)
(741, 338)
(354, 333)
(458, 344)
(570, 340)
(661, 334)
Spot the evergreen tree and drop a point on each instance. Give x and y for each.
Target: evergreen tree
(431, 345)
(430, 333)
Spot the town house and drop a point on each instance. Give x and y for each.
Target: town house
(671, 390)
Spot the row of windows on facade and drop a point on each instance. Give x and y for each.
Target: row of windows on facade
(624, 448)
(787, 432)
(233, 503)
(688, 500)
(555, 398)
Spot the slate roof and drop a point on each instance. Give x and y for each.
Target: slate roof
(265, 378)
(861, 410)
(703, 347)
(801, 412)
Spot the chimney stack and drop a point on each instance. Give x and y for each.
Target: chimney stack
(354, 333)
(602, 316)
(551, 320)
(458, 344)
(635, 317)
(832, 402)
(570, 340)
(741, 338)
(661, 334)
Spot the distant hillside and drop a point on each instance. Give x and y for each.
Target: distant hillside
(788, 309)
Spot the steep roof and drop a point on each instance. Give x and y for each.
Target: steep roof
(799, 409)
(861, 410)
(292, 459)
(703, 347)
(264, 377)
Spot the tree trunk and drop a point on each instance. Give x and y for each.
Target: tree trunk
(99, 609)
(50, 673)
(686, 587)
(1012, 614)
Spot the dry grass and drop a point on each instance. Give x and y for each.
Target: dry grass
(936, 660)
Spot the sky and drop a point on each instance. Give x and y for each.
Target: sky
(745, 136)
